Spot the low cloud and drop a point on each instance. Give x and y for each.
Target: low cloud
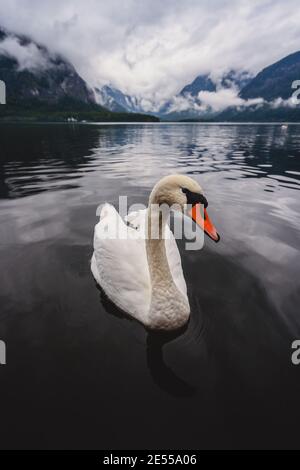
(28, 56)
(225, 98)
(292, 102)
(213, 102)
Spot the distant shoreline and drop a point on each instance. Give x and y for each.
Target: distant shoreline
(166, 123)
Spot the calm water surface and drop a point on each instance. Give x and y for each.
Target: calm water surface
(79, 374)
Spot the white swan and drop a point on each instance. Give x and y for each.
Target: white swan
(143, 275)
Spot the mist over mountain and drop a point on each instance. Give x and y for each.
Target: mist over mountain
(273, 85)
(274, 81)
(44, 85)
(236, 96)
(201, 83)
(206, 96)
(233, 78)
(113, 99)
(39, 79)
(33, 75)
(187, 104)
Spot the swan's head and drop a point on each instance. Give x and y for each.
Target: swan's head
(180, 191)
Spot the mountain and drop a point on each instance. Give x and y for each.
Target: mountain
(274, 86)
(109, 98)
(236, 79)
(44, 85)
(113, 99)
(271, 90)
(274, 81)
(56, 80)
(233, 78)
(201, 83)
(187, 105)
(187, 99)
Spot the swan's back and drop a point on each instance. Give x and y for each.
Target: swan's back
(120, 265)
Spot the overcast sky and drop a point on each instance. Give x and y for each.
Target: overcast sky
(155, 47)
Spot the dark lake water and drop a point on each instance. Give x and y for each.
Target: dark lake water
(79, 374)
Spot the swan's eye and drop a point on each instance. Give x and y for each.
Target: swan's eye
(194, 198)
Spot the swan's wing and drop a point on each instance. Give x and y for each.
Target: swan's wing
(120, 265)
(137, 220)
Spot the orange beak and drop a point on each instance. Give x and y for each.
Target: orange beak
(204, 222)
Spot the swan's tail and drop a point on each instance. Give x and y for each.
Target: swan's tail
(106, 210)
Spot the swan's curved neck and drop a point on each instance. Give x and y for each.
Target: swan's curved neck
(156, 248)
(168, 308)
